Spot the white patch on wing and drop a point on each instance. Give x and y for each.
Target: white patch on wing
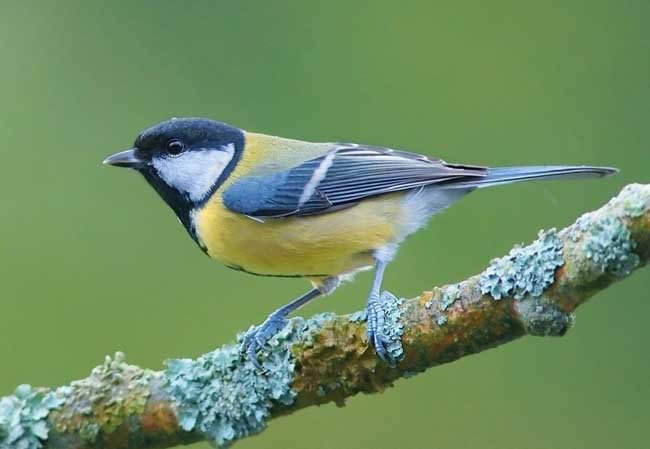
(316, 178)
(194, 172)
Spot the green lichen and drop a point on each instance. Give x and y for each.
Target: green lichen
(23, 417)
(543, 318)
(609, 245)
(358, 317)
(577, 229)
(89, 431)
(100, 403)
(525, 270)
(632, 201)
(634, 206)
(393, 328)
(449, 295)
(442, 320)
(307, 328)
(325, 389)
(225, 397)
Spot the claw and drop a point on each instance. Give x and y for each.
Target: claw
(256, 338)
(376, 321)
(380, 347)
(251, 353)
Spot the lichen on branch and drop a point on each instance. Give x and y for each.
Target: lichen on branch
(221, 397)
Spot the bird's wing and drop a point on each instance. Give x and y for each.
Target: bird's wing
(339, 178)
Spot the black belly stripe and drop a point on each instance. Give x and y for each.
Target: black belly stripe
(238, 268)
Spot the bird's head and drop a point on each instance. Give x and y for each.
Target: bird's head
(184, 159)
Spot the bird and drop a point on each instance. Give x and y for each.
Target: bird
(274, 206)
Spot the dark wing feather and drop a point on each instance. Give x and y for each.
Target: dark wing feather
(340, 178)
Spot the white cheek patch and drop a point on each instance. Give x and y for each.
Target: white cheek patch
(194, 172)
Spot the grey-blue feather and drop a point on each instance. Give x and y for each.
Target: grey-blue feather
(506, 175)
(276, 194)
(339, 179)
(263, 195)
(349, 174)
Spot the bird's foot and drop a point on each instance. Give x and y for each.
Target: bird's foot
(383, 335)
(256, 338)
(376, 322)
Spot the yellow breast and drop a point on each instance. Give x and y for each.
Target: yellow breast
(318, 245)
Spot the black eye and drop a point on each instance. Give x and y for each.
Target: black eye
(175, 147)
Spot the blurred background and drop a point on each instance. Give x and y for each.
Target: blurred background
(92, 261)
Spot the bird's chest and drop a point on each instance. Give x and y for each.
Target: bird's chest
(327, 244)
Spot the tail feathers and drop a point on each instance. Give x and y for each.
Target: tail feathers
(506, 175)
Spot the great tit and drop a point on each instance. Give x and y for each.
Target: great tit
(322, 211)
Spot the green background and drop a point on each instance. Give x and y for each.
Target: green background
(93, 262)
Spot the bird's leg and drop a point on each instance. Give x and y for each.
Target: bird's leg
(376, 318)
(257, 337)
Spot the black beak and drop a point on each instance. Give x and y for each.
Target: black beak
(127, 158)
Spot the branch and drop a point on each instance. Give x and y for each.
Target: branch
(222, 398)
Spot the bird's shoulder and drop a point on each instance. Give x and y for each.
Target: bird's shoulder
(264, 154)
